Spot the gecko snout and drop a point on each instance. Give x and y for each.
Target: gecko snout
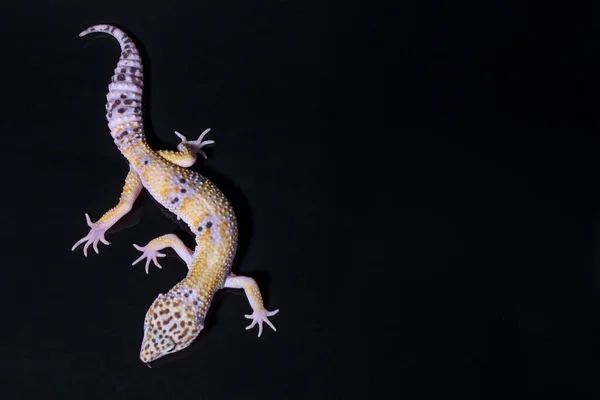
(154, 348)
(169, 327)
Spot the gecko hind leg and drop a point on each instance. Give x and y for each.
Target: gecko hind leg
(185, 155)
(131, 190)
(151, 251)
(194, 146)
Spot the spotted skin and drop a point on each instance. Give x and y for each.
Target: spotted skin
(174, 319)
(171, 324)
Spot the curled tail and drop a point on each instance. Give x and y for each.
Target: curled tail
(124, 98)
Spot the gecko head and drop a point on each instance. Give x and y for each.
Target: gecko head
(170, 326)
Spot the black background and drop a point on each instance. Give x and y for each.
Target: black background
(417, 189)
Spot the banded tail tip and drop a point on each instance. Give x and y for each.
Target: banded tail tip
(101, 28)
(89, 30)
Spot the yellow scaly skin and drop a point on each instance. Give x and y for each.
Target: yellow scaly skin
(174, 319)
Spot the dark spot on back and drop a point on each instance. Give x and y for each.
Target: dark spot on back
(183, 190)
(177, 314)
(164, 311)
(120, 77)
(133, 69)
(182, 324)
(182, 180)
(136, 110)
(123, 70)
(123, 96)
(121, 110)
(145, 162)
(209, 224)
(155, 316)
(175, 200)
(117, 102)
(128, 102)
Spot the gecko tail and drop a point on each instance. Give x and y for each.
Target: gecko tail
(124, 98)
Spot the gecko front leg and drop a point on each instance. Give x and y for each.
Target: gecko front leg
(260, 313)
(152, 250)
(131, 190)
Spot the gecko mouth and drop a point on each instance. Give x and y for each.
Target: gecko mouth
(160, 358)
(171, 349)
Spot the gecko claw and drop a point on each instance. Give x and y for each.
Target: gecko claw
(95, 236)
(198, 144)
(258, 317)
(149, 255)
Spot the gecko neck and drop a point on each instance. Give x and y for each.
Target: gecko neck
(205, 277)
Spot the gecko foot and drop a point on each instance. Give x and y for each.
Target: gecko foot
(95, 236)
(260, 316)
(198, 144)
(149, 254)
